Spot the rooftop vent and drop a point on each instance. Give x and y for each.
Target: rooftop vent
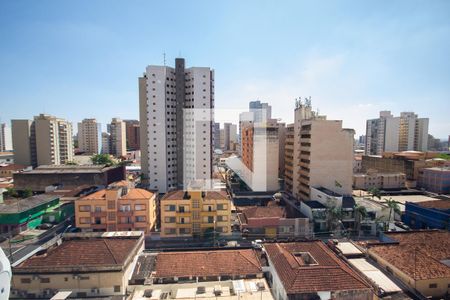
(201, 290)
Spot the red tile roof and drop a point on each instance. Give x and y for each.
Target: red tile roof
(207, 263)
(418, 254)
(13, 167)
(84, 253)
(329, 274)
(264, 212)
(209, 195)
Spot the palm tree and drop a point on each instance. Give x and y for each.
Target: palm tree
(360, 215)
(334, 215)
(393, 206)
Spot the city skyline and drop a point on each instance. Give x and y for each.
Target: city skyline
(353, 59)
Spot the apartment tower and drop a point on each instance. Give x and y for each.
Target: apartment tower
(5, 138)
(176, 115)
(89, 136)
(46, 140)
(132, 134)
(117, 137)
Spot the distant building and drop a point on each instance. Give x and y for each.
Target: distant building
(89, 265)
(5, 138)
(428, 214)
(391, 134)
(289, 175)
(89, 136)
(67, 177)
(435, 180)
(119, 207)
(117, 138)
(310, 270)
(418, 258)
(195, 213)
(175, 149)
(230, 135)
(46, 140)
(132, 135)
(106, 143)
(322, 154)
(19, 215)
(272, 222)
(6, 157)
(216, 136)
(8, 169)
(379, 180)
(259, 112)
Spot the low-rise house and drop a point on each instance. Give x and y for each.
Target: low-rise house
(119, 207)
(310, 270)
(7, 170)
(428, 214)
(89, 265)
(380, 180)
(212, 265)
(420, 259)
(195, 213)
(18, 215)
(377, 214)
(272, 221)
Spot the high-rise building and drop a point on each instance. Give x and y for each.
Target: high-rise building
(216, 135)
(392, 134)
(46, 140)
(89, 136)
(5, 138)
(230, 136)
(106, 143)
(132, 134)
(319, 154)
(259, 112)
(117, 137)
(176, 115)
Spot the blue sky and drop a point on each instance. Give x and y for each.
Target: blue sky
(80, 59)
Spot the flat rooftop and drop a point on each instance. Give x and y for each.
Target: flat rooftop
(327, 191)
(21, 205)
(68, 169)
(436, 204)
(314, 204)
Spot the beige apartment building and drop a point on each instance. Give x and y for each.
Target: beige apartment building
(379, 180)
(195, 213)
(322, 154)
(46, 140)
(289, 160)
(118, 143)
(89, 136)
(119, 207)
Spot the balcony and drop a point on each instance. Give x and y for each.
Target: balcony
(98, 214)
(125, 213)
(124, 226)
(98, 226)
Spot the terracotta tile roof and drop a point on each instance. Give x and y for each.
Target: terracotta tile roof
(84, 253)
(438, 204)
(327, 273)
(264, 212)
(209, 195)
(13, 167)
(418, 254)
(133, 194)
(207, 263)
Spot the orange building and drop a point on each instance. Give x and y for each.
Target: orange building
(247, 146)
(119, 207)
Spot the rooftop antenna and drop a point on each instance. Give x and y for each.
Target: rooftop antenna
(164, 55)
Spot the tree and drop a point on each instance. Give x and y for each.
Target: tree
(102, 159)
(334, 215)
(374, 192)
(393, 207)
(27, 193)
(11, 192)
(360, 215)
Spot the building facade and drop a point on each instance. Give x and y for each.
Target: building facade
(89, 136)
(5, 138)
(195, 213)
(117, 137)
(176, 114)
(392, 134)
(379, 180)
(117, 208)
(322, 154)
(46, 140)
(133, 135)
(435, 180)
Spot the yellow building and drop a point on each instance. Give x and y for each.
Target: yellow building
(195, 213)
(116, 208)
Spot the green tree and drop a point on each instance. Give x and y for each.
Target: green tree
(360, 215)
(374, 192)
(393, 207)
(102, 159)
(27, 193)
(11, 192)
(334, 215)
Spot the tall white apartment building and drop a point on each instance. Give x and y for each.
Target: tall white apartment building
(5, 137)
(319, 154)
(176, 115)
(118, 140)
(46, 140)
(89, 136)
(393, 134)
(259, 112)
(106, 143)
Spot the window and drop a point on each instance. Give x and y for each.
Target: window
(124, 208)
(45, 280)
(111, 204)
(181, 209)
(210, 219)
(111, 216)
(98, 221)
(222, 218)
(185, 230)
(222, 207)
(85, 220)
(117, 289)
(140, 218)
(139, 207)
(169, 219)
(85, 208)
(170, 231)
(170, 207)
(98, 209)
(25, 280)
(432, 285)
